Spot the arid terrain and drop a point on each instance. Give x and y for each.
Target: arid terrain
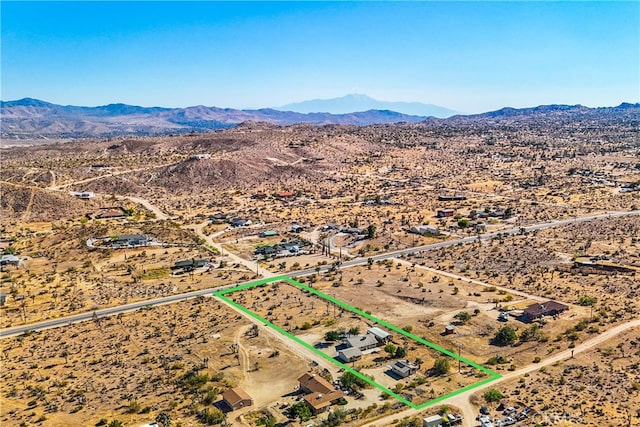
(459, 231)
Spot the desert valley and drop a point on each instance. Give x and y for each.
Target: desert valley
(474, 270)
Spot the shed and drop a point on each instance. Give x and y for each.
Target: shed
(268, 233)
(432, 421)
(236, 398)
(381, 335)
(449, 329)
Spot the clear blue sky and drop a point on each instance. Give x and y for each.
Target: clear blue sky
(469, 56)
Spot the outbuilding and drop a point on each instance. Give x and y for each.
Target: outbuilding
(236, 398)
(432, 421)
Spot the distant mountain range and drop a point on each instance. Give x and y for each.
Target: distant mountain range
(35, 119)
(358, 102)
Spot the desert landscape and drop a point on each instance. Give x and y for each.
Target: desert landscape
(510, 241)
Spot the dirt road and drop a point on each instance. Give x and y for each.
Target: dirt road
(469, 411)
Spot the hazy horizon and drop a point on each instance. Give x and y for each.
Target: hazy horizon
(466, 56)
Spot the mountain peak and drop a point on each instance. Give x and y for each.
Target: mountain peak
(357, 102)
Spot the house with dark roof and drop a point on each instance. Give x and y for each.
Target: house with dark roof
(537, 310)
(130, 240)
(442, 213)
(444, 198)
(190, 264)
(111, 213)
(236, 398)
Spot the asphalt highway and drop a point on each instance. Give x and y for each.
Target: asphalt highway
(62, 321)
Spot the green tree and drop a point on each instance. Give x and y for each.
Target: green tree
(354, 331)
(587, 300)
(300, 410)
(351, 380)
(492, 395)
(266, 420)
(332, 336)
(211, 416)
(463, 316)
(371, 231)
(163, 419)
(115, 423)
(390, 348)
(335, 417)
(464, 223)
(440, 367)
(505, 336)
(400, 353)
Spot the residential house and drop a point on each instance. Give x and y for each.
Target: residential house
(312, 383)
(236, 398)
(111, 213)
(240, 222)
(403, 368)
(285, 194)
(444, 198)
(349, 354)
(424, 230)
(131, 240)
(362, 342)
(9, 259)
(84, 194)
(351, 230)
(218, 217)
(319, 393)
(442, 213)
(190, 264)
(537, 310)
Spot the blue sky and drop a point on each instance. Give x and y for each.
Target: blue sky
(469, 56)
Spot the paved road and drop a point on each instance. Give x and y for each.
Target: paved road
(62, 321)
(465, 240)
(360, 261)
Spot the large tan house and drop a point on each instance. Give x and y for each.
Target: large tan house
(320, 393)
